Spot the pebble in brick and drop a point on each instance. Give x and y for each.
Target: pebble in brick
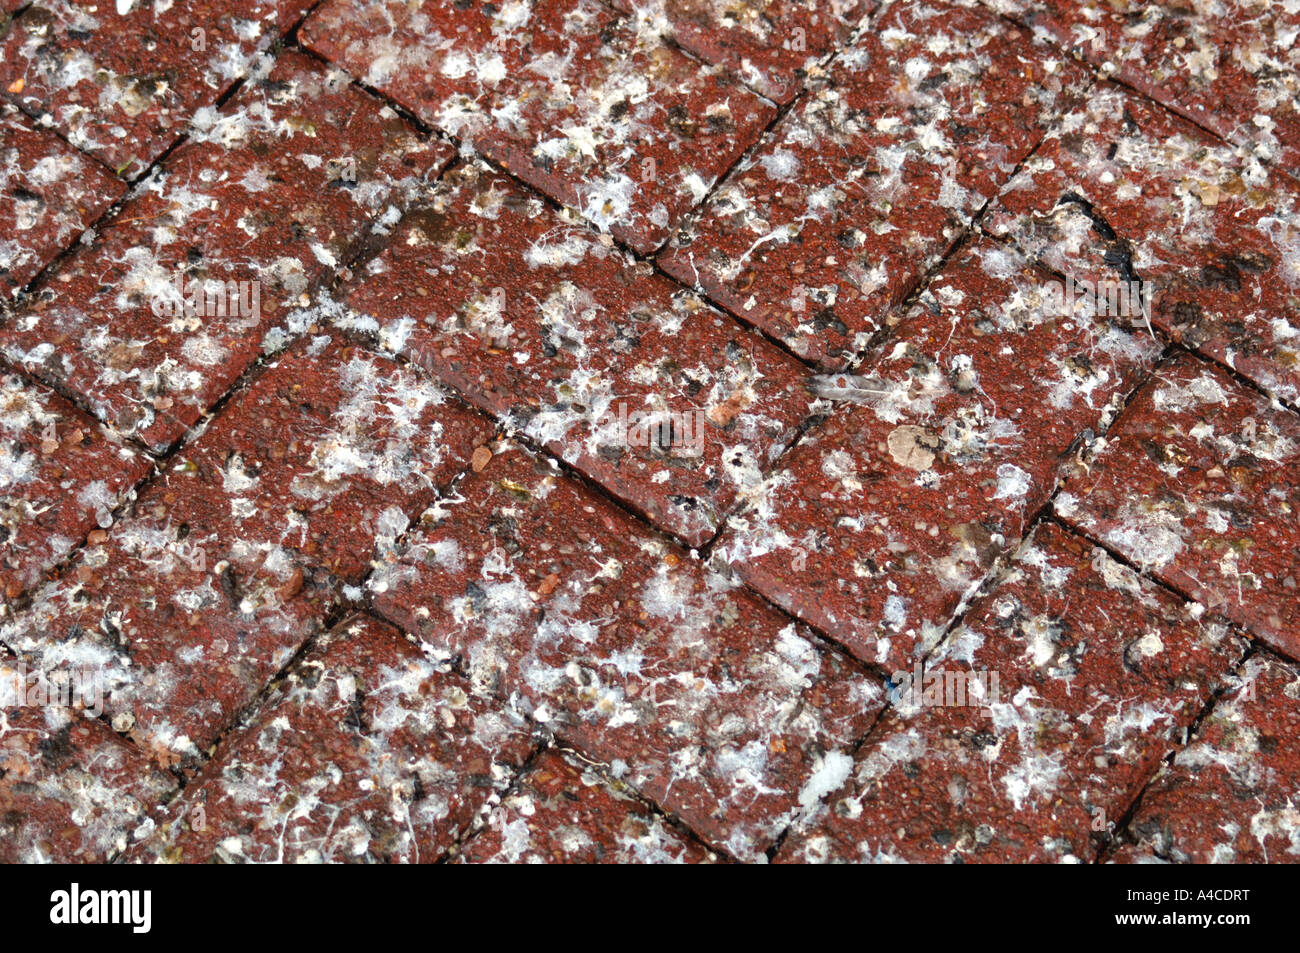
(565, 813)
(947, 442)
(365, 752)
(61, 477)
(253, 211)
(691, 690)
(540, 321)
(600, 115)
(332, 449)
(873, 176)
(119, 83)
(1233, 66)
(1198, 485)
(70, 790)
(1229, 797)
(1124, 190)
(49, 194)
(773, 45)
(1036, 724)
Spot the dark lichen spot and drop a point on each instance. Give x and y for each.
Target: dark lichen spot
(57, 747)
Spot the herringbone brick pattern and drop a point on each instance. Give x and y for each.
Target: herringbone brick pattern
(649, 431)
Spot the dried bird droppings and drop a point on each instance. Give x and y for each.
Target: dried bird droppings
(699, 696)
(1091, 675)
(937, 455)
(366, 751)
(259, 195)
(575, 341)
(1198, 485)
(873, 176)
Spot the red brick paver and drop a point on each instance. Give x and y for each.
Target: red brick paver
(600, 115)
(873, 175)
(184, 632)
(261, 196)
(1085, 676)
(367, 751)
(1199, 485)
(563, 814)
(562, 431)
(332, 448)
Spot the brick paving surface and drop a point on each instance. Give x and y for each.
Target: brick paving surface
(1123, 190)
(52, 193)
(1099, 672)
(563, 814)
(1233, 66)
(873, 175)
(365, 751)
(772, 45)
(1228, 797)
(574, 339)
(1198, 484)
(649, 431)
(257, 194)
(594, 111)
(122, 83)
